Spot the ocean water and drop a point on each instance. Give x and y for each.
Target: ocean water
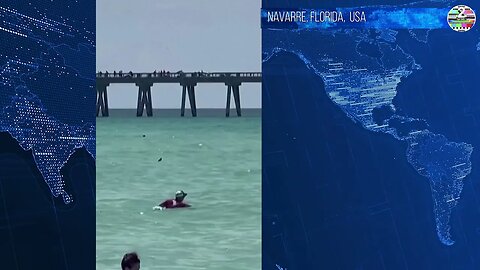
(216, 160)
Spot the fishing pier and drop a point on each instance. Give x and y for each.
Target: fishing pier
(187, 80)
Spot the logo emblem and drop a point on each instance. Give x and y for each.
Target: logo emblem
(461, 18)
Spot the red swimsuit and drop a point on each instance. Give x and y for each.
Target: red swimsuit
(173, 204)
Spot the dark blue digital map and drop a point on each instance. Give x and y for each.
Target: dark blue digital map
(416, 86)
(46, 97)
(47, 133)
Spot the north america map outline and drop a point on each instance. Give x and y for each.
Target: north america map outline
(364, 88)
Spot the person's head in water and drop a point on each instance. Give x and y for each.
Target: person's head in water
(180, 195)
(130, 261)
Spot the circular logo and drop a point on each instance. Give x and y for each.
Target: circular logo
(461, 18)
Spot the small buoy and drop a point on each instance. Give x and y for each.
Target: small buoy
(141, 213)
(200, 144)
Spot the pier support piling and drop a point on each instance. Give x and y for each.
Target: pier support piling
(190, 89)
(102, 99)
(182, 109)
(229, 97)
(235, 88)
(144, 99)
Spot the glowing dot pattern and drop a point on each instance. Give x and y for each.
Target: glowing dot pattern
(47, 98)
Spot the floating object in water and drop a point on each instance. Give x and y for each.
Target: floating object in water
(158, 208)
(144, 135)
(160, 159)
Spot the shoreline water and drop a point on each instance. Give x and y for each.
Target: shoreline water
(216, 160)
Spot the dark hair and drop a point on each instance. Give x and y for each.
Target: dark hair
(129, 260)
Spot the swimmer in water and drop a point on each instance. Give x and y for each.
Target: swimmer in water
(131, 261)
(178, 202)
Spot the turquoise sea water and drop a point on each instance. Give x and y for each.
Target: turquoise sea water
(216, 160)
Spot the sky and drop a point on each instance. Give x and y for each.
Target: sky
(188, 35)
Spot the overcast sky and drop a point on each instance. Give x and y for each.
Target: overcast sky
(188, 35)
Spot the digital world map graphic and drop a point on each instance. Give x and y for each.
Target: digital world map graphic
(387, 81)
(47, 134)
(46, 86)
